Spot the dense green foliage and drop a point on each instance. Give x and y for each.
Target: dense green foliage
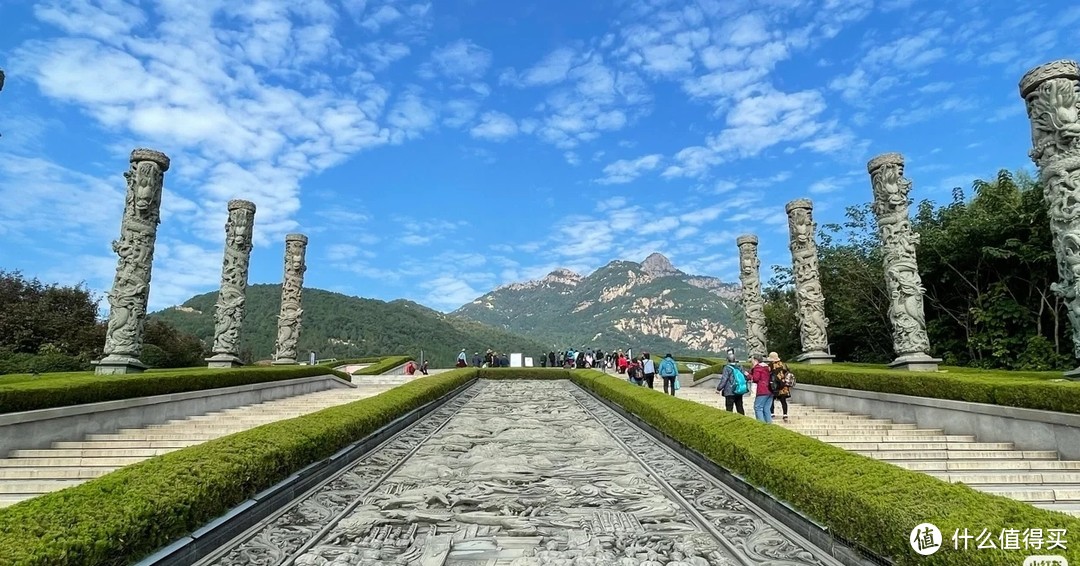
(1030, 390)
(987, 265)
(619, 306)
(861, 499)
(122, 516)
(27, 393)
(340, 326)
(54, 328)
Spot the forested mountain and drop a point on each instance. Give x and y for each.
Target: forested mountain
(987, 262)
(340, 326)
(650, 305)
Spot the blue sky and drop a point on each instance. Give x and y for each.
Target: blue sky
(436, 150)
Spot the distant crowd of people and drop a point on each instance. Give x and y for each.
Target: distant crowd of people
(772, 381)
(490, 359)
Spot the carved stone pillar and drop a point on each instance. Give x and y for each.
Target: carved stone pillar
(292, 287)
(234, 277)
(808, 297)
(902, 278)
(752, 302)
(131, 286)
(1053, 105)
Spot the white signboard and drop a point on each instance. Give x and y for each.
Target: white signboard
(528, 362)
(515, 360)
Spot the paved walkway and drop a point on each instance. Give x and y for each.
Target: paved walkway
(1037, 477)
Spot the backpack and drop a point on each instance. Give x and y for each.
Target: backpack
(775, 384)
(737, 375)
(788, 378)
(668, 368)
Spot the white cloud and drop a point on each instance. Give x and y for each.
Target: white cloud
(461, 60)
(495, 126)
(552, 69)
(626, 170)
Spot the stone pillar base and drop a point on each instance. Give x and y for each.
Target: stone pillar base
(284, 362)
(1073, 374)
(223, 361)
(117, 365)
(814, 358)
(915, 362)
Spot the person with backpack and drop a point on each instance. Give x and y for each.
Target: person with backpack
(733, 384)
(784, 380)
(669, 372)
(763, 393)
(633, 373)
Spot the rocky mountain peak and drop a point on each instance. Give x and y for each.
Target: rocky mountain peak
(658, 265)
(562, 275)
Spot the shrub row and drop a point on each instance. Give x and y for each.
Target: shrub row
(383, 365)
(1010, 389)
(122, 516)
(700, 359)
(861, 499)
(350, 361)
(60, 390)
(705, 372)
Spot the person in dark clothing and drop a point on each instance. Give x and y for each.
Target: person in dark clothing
(543, 360)
(423, 367)
(726, 386)
(477, 361)
(551, 359)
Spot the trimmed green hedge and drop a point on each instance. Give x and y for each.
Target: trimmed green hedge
(700, 360)
(1007, 388)
(23, 393)
(350, 361)
(383, 365)
(861, 499)
(120, 517)
(705, 372)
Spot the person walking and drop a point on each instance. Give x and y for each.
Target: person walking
(733, 385)
(669, 372)
(782, 376)
(763, 396)
(461, 359)
(648, 370)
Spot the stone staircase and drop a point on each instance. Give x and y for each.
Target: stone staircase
(29, 473)
(1037, 477)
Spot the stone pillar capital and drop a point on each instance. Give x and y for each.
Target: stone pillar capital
(884, 159)
(799, 203)
(143, 154)
(296, 238)
(239, 204)
(746, 239)
(1060, 69)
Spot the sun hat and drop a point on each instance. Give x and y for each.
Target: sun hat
(774, 357)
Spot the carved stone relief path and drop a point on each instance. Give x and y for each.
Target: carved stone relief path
(521, 473)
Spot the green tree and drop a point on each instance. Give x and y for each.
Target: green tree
(34, 314)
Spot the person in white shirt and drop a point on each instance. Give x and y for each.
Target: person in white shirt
(648, 368)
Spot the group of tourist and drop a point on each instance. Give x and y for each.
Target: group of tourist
(490, 359)
(772, 381)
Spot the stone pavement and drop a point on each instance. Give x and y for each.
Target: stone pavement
(1036, 477)
(523, 473)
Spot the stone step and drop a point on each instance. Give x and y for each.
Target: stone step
(1011, 477)
(222, 426)
(993, 466)
(35, 487)
(960, 455)
(1035, 494)
(147, 435)
(1067, 508)
(62, 461)
(53, 473)
(125, 444)
(913, 433)
(803, 427)
(921, 445)
(9, 499)
(862, 439)
(92, 453)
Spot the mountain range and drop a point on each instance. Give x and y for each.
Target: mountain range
(339, 326)
(649, 305)
(645, 306)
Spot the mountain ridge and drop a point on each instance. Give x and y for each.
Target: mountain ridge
(623, 304)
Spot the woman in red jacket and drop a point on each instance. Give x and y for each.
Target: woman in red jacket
(763, 397)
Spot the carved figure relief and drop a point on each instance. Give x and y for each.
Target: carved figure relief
(1052, 95)
(813, 325)
(753, 303)
(289, 320)
(902, 280)
(521, 473)
(135, 250)
(234, 276)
